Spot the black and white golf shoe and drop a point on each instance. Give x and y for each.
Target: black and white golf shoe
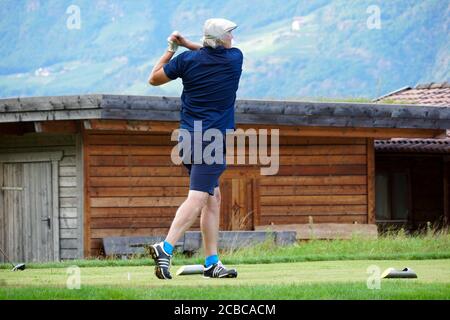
(162, 261)
(218, 270)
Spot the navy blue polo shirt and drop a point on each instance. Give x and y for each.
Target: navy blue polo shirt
(210, 81)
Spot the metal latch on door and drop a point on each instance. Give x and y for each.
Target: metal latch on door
(48, 221)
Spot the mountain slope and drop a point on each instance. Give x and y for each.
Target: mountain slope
(292, 49)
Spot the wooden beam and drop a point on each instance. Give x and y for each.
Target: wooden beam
(273, 108)
(340, 121)
(290, 119)
(300, 131)
(65, 126)
(80, 191)
(48, 103)
(256, 202)
(225, 204)
(134, 125)
(86, 197)
(31, 156)
(325, 230)
(376, 133)
(295, 113)
(370, 181)
(50, 115)
(269, 112)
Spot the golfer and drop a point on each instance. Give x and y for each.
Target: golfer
(210, 74)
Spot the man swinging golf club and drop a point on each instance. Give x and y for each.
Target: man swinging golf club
(210, 74)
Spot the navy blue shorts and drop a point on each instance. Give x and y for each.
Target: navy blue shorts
(204, 177)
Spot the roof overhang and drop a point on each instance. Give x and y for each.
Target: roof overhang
(413, 146)
(264, 112)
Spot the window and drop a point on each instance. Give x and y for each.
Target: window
(382, 201)
(399, 196)
(392, 195)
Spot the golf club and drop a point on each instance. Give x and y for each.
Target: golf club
(19, 266)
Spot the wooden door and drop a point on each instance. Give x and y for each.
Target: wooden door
(26, 211)
(240, 203)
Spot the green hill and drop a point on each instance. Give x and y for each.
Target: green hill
(292, 49)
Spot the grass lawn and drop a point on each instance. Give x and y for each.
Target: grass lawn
(294, 280)
(395, 246)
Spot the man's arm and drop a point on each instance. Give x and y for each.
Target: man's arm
(158, 76)
(190, 45)
(184, 42)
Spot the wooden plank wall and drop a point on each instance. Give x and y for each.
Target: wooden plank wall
(70, 211)
(321, 178)
(133, 188)
(11, 233)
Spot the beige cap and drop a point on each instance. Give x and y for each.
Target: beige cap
(216, 28)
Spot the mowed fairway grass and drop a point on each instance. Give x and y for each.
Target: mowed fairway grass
(315, 269)
(295, 280)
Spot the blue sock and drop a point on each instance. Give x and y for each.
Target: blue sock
(168, 247)
(209, 261)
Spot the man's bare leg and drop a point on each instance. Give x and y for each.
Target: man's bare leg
(209, 223)
(184, 218)
(186, 215)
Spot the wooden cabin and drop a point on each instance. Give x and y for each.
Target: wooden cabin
(77, 169)
(413, 175)
(412, 183)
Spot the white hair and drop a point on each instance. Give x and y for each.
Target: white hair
(213, 42)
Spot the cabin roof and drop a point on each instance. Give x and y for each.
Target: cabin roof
(413, 145)
(434, 94)
(272, 112)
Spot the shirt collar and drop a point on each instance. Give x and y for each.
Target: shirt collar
(216, 49)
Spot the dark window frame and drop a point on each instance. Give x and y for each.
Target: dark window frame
(389, 171)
